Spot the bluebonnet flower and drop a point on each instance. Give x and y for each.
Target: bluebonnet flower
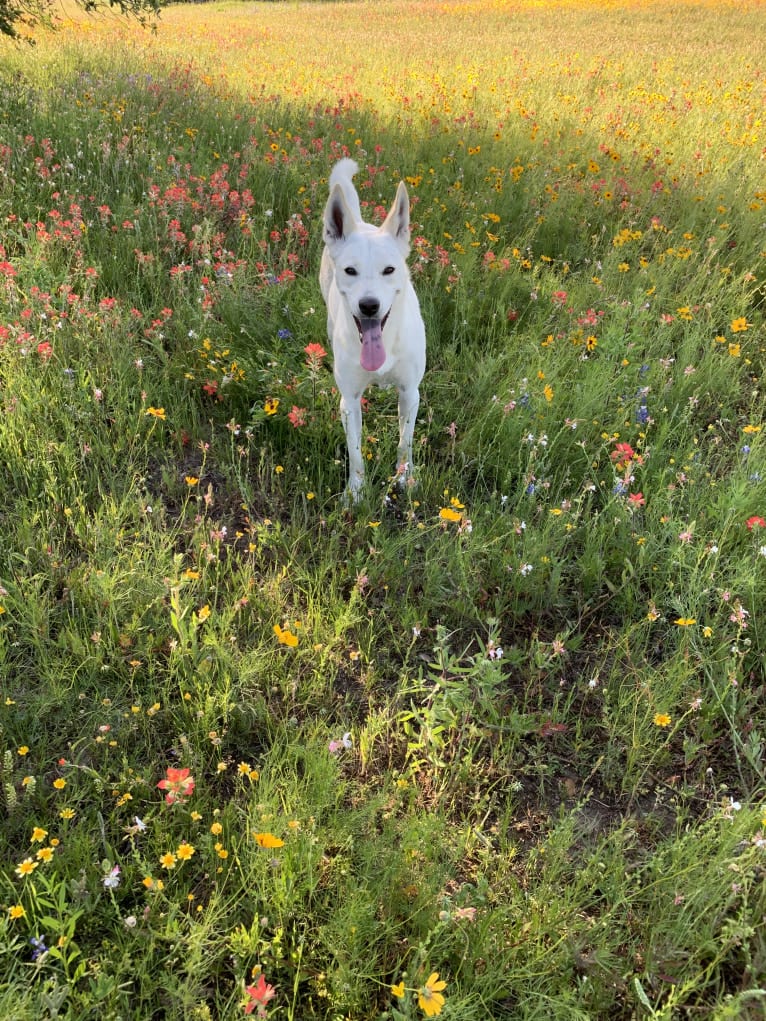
(284, 334)
(38, 947)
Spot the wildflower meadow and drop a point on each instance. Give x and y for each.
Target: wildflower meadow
(488, 745)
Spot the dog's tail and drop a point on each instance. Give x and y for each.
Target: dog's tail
(342, 173)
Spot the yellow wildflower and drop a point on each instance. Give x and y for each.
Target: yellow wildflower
(448, 514)
(268, 840)
(285, 636)
(430, 999)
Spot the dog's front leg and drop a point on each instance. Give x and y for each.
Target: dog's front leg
(409, 402)
(351, 416)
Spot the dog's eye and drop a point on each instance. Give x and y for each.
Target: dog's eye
(389, 270)
(350, 271)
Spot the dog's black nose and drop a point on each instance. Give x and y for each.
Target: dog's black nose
(369, 307)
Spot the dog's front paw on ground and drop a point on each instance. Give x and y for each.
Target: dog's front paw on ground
(353, 492)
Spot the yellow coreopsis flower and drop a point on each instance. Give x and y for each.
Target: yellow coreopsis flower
(268, 840)
(430, 999)
(449, 514)
(285, 636)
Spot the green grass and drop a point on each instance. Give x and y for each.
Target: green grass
(514, 733)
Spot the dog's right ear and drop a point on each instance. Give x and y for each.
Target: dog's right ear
(338, 219)
(397, 223)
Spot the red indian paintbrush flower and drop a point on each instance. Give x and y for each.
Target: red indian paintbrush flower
(259, 994)
(178, 785)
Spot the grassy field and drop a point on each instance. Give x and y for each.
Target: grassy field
(489, 747)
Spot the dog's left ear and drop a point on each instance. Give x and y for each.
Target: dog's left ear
(397, 223)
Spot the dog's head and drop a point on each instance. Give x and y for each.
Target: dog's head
(370, 266)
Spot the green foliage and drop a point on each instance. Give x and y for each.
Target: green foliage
(19, 17)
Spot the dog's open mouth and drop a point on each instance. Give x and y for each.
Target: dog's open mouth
(371, 335)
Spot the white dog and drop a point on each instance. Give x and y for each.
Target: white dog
(373, 316)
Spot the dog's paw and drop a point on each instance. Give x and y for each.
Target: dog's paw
(353, 493)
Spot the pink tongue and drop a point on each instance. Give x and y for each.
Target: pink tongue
(373, 352)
